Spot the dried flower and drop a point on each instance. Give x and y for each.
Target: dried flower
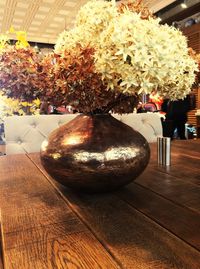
(113, 54)
(72, 79)
(136, 7)
(19, 69)
(133, 53)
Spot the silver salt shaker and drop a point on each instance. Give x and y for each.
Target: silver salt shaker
(164, 150)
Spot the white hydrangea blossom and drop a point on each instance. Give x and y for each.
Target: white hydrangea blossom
(68, 39)
(96, 15)
(132, 54)
(92, 19)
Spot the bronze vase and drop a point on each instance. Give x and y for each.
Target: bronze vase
(95, 153)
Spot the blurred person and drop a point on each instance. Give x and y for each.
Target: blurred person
(176, 116)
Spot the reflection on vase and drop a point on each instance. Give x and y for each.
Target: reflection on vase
(95, 153)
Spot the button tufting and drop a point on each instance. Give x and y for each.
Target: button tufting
(19, 142)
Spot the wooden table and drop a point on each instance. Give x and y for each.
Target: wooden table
(153, 223)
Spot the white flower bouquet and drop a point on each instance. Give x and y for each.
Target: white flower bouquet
(133, 52)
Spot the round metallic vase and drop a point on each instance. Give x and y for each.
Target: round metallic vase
(95, 153)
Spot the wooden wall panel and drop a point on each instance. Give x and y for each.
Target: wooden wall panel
(191, 114)
(193, 35)
(194, 41)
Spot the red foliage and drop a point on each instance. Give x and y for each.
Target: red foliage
(20, 73)
(72, 80)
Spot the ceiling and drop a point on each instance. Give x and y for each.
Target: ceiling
(43, 20)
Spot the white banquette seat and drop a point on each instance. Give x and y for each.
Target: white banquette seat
(24, 134)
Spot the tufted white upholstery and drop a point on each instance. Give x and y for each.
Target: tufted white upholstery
(148, 124)
(25, 133)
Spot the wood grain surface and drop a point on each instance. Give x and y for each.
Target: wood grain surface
(39, 229)
(133, 238)
(1, 246)
(152, 223)
(76, 250)
(172, 188)
(145, 225)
